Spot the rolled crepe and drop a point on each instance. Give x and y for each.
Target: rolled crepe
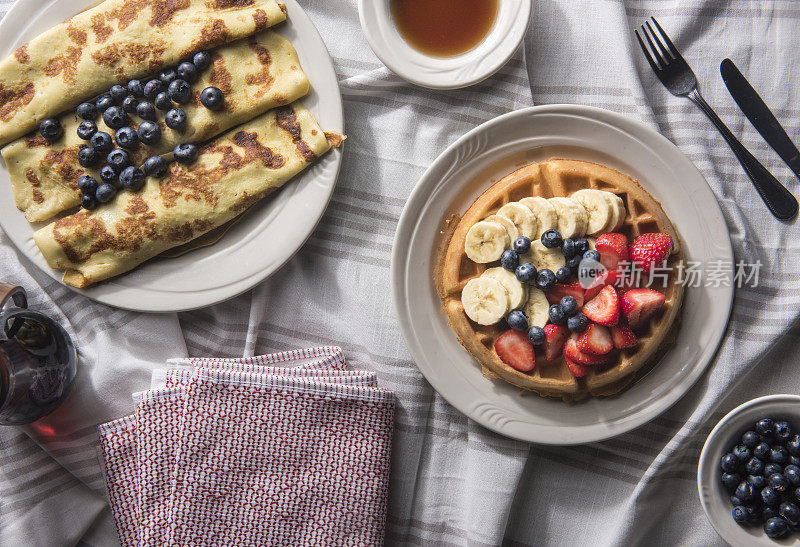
(112, 42)
(255, 74)
(233, 172)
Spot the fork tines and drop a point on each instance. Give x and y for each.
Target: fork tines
(662, 54)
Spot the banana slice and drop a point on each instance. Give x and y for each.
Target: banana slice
(537, 308)
(542, 257)
(513, 233)
(521, 216)
(485, 300)
(619, 210)
(599, 208)
(572, 217)
(544, 212)
(486, 241)
(517, 292)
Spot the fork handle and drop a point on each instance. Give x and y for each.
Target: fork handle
(778, 199)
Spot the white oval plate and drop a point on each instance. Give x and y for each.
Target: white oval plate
(255, 247)
(482, 157)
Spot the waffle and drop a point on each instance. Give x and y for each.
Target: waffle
(559, 177)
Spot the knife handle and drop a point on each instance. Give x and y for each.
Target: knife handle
(778, 199)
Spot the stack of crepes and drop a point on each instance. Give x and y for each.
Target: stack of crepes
(284, 449)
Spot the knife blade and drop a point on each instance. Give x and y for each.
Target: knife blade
(760, 115)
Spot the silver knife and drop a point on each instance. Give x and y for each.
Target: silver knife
(760, 115)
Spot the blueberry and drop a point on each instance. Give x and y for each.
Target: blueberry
(162, 101)
(525, 272)
(118, 93)
(794, 460)
(129, 104)
(729, 463)
(105, 192)
(581, 245)
(87, 184)
(50, 129)
(149, 133)
(552, 239)
(570, 305)
(764, 426)
(761, 450)
(536, 335)
(86, 129)
(776, 527)
(104, 102)
(87, 111)
(578, 323)
(789, 512)
(592, 255)
(517, 321)
(107, 174)
(146, 111)
(202, 60)
(132, 179)
(88, 201)
(115, 117)
(509, 260)
(793, 445)
(153, 88)
(792, 474)
(557, 315)
(187, 71)
(127, 138)
(118, 159)
(180, 91)
(185, 153)
(168, 76)
(779, 454)
(768, 513)
(753, 514)
(102, 142)
(745, 491)
(212, 98)
(778, 482)
(758, 481)
(568, 248)
(783, 431)
(573, 263)
(750, 439)
(770, 496)
(175, 119)
(522, 245)
(772, 469)
(88, 157)
(155, 166)
(545, 280)
(136, 88)
(736, 501)
(563, 275)
(753, 467)
(742, 453)
(739, 514)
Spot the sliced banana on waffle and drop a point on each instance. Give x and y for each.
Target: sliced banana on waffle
(572, 217)
(544, 212)
(542, 257)
(522, 217)
(599, 208)
(485, 300)
(619, 210)
(486, 241)
(510, 227)
(517, 292)
(537, 308)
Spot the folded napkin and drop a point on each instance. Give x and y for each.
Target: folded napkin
(282, 449)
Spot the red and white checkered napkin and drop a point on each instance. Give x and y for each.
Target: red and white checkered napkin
(118, 444)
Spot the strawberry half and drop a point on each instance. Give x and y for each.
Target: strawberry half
(558, 292)
(650, 249)
(555, 336)
(572, 352)
(595, 340)
(613, 249)
(622, 335)
(608, 277)
(639, 305)
(603, 309)
(577, 370)
(515, 350)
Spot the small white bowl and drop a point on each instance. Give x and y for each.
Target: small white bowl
(714, 498)
(463, 70)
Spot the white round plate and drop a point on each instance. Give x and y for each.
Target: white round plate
(483, 156)
(728, 431)
(255, 247)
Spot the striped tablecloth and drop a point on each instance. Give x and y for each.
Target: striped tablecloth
(454, 482)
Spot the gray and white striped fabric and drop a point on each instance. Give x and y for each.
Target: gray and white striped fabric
(453, 482)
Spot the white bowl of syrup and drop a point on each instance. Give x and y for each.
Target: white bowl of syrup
(444, 44)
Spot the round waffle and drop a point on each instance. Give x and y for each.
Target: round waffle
(551, 178)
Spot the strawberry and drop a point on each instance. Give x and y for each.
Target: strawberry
(613, 249)
(650, 249)
(515, 350)
(578, 370)
(622, 335)
(572, 353)
(559, 291)
(608, 277)
(639, 305)
(603, 308)
(595, 340)
(555, 336)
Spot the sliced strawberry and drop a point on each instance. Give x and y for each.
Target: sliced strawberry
(613, 249)
(572, 352)
(639, 305)
(622, 335)
(595, 340)
(603, 309)
(608, 277)
(650, 249)
(555, 336)
(558, 292)
(578, 370)
(515, 350)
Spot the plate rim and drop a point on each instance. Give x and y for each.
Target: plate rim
(406, 227)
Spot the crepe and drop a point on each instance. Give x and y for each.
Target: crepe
(233, 172)
(255, 74)
(112, 42)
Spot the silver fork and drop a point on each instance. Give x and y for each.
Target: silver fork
(678, 77)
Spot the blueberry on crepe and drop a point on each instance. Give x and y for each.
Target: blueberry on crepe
(131, 179)
(149, 133)
(153, 88)
(202, 60)
(146, 111)
(107, 174)
(136, 88)
(50, 129)
(155, 166)
(212, 98)
(175, 119)
(129, 104)
(118, 93)
(188, 72)
(104, 102)
(180, 91)
(162, 101)
(105, 192)
(118, 159)
(88, 157)
(127, 138)
(87, 111)
(86, 129)
(102, 142)
(185, 153)
(115, 117)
